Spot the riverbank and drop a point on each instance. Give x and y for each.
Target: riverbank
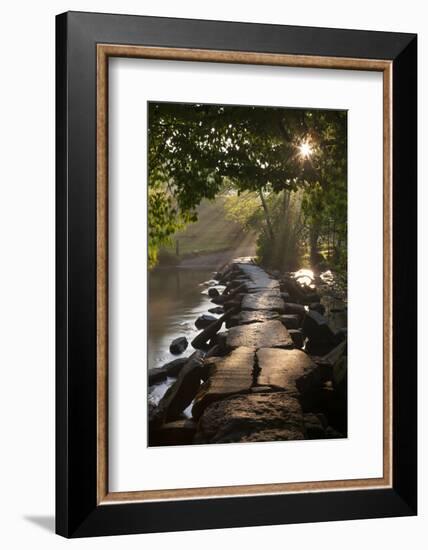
(217, 259)
(245, 247)
(214, 239)
(278, 371)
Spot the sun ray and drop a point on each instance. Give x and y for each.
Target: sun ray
(305, 149)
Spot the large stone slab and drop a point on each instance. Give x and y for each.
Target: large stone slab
(156, 376)
(268, 300)
(290, 321)
(248, 317)
(180, 395)
(173, 367)
(262, 285)
(200, 341)
(270, 334)
(258, 276)
(291, 370)
(302, 294)
(335, 363)
(316, 327)
(297, 337)
(322, 338)
(204, 321)
(256, 417)
(228, 375)
(179, 432)
(297, 309)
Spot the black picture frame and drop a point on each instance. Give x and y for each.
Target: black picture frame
(77, 511)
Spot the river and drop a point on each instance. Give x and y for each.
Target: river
(177, 296)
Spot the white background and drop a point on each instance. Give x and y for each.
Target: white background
(133, 466)
(27, 273)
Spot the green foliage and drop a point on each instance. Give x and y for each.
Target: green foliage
(214, 231)
(164, 220)
(197, 151)
(286, 252)
(245, 209)
(325, 209)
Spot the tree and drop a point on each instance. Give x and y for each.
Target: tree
(195, 148)
(325, 203)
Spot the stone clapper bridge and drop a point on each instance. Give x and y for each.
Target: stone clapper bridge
(253, 381)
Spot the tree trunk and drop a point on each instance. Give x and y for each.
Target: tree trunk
(313, 243)
(285, 201)
(267, 215)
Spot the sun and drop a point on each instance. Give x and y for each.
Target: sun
(305, 150)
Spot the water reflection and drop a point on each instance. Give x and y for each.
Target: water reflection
(333, 297)
(176, 298)
(305, 277)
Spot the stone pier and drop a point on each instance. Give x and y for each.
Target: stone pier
(251, 382)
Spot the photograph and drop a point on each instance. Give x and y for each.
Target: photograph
(247, 256)
(212, 275)
(236, 271)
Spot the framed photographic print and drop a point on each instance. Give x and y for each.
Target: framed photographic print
(236, 274)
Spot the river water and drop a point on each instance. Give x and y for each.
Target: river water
(177, 296)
